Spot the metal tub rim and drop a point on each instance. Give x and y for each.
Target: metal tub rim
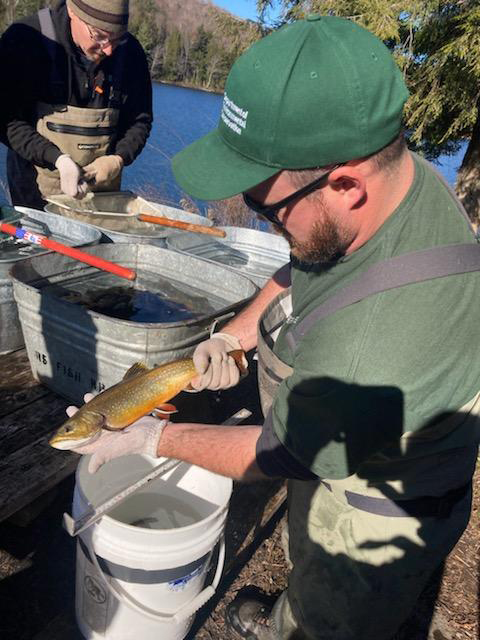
(158, 209)
(87, 270)
(78, 228)
(189, 244)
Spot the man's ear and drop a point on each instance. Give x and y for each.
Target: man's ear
(350, 184)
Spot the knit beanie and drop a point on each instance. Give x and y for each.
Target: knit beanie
(109, 15)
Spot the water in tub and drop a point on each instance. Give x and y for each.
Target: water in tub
(149, 299)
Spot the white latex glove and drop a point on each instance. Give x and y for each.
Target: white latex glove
(70, 177)
(103, 170)
(143, 436)
(216, 368)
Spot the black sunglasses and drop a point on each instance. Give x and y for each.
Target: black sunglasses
(270, 211)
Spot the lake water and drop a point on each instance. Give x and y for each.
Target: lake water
(182, 116)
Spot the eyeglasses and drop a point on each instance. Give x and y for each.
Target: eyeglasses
(270, 211)
(104, 40)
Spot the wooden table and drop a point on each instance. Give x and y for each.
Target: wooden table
(29, 413)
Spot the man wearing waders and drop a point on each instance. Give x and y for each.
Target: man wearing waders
(77, 100)
(368, 350)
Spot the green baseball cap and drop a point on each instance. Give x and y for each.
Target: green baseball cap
(316, 92)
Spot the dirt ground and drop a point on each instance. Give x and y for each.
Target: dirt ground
(37, 564)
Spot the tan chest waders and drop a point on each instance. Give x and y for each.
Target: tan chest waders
(85, 134)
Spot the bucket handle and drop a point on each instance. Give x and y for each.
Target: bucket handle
(185, 611)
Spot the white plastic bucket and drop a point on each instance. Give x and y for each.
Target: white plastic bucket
(141, 569)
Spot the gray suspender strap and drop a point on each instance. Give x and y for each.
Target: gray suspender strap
(410, 268)
(46, 24)
(50, 41)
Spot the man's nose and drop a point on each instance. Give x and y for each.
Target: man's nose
(108, 49)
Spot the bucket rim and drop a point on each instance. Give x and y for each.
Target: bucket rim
(109, 520)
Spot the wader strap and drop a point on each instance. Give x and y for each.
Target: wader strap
(46, 24)
(427, 507)
(271, 370)
(51, 44)
(410, 268)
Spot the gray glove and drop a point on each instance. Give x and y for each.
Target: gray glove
(71, 180)
(216, 368)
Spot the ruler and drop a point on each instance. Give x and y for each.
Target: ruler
(92, 513)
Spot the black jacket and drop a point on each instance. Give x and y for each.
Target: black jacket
(26, 66)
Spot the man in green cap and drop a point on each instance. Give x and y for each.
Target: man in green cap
(369, 363)
(77, 105)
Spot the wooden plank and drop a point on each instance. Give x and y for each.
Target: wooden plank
(28, 472)
(15, 361)
(17, 384)
(29, 413)
(27, 423)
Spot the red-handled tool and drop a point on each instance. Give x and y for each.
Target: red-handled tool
(76, 254)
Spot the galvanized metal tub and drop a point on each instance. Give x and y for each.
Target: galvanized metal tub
(116, 219)
(253, 253)
(65, 231)
(74, 350)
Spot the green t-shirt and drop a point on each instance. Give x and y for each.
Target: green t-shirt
(396, 362)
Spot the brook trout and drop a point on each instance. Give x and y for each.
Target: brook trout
(141, 391)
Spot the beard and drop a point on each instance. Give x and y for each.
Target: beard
(326, 244)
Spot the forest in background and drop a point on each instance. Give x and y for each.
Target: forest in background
(188, 42)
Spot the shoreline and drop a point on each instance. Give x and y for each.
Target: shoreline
(188, 86)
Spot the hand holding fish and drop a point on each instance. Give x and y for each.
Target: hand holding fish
(215, 364)
(123, 406)
(143, 436)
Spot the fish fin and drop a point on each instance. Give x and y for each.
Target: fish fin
(135, 370)
(240, 360)
(164, 411)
